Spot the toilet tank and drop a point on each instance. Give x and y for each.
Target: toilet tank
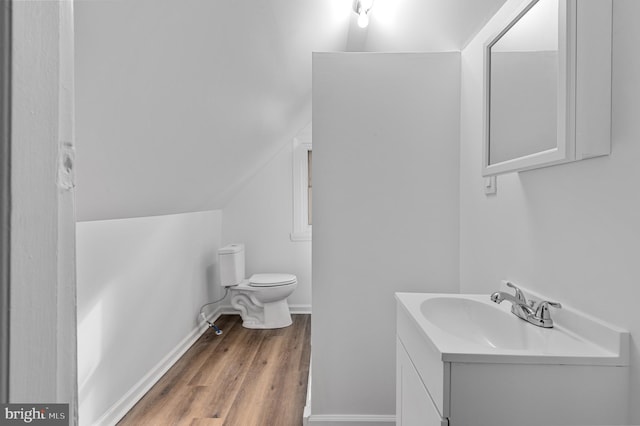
(231, 263)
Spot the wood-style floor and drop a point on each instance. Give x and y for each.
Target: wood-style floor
(241, 378)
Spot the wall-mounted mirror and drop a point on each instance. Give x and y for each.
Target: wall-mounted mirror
(547, 85)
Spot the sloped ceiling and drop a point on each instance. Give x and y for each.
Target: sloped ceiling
(178, 103)
(427, 25)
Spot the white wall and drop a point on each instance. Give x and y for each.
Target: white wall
(261, 216)
(569, 232)
(141, 283)
(180, 101)
(385, 135)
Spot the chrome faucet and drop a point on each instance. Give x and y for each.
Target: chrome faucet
(538, 315)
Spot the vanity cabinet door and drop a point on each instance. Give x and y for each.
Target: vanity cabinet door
(413, 403)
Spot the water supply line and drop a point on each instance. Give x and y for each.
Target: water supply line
(204, 317)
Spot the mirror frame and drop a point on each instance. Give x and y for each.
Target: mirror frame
(584, 65)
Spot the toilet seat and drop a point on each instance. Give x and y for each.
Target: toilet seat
(271, 280)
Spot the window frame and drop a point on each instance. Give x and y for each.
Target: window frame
(302, 230)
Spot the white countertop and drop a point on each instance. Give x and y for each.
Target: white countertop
(576, 339)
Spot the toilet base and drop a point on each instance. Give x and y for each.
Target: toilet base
(257, 315)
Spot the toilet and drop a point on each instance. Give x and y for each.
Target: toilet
(261, 299)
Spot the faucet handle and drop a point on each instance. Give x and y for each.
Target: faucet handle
(519, 294)
(542, 311)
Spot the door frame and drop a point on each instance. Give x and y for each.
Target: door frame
(5, 193)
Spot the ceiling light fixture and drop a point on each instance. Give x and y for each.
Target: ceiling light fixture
(362, 8)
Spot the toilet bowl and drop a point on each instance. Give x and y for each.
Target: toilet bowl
(261, 299)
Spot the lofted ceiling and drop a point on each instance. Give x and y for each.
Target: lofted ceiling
(179, 103)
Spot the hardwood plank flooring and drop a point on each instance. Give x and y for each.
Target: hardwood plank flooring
(242, 378)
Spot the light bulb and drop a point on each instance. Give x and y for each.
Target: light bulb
(363, 19)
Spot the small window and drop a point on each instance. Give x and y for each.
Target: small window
(302, 190)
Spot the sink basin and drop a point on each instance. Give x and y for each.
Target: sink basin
(472, 328)
(478, 322)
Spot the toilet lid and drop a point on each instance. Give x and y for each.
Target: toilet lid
(271, 280)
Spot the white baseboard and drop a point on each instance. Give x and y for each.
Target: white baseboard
(226, 310)
(300, 309)
(351, 420)
(118, 410)
(294, 309)
(306, 413)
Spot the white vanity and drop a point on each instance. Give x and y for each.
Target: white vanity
(463, 360)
